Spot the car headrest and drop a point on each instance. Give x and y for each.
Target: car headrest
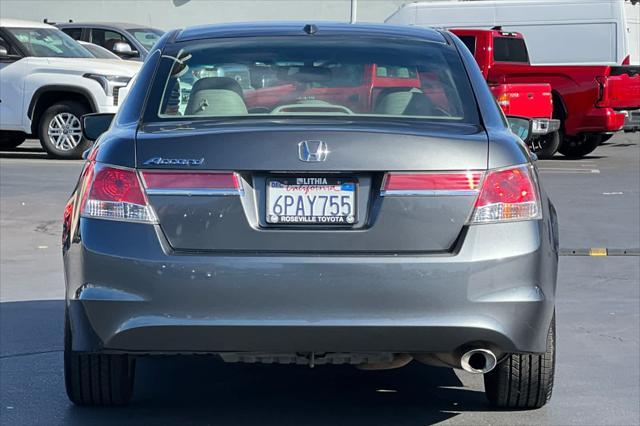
(217, 83)
(404, 102)
(215, 96)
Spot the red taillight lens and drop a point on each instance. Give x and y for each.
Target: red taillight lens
(603, 92)
(193, 183)
(118, 185)
(504, 100)
(507, 194)
(115, 193)
(66, 223)
(452, 183)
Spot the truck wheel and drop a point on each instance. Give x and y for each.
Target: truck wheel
(10, 140)
(579, 146)
(546, 146)
(95, 379)
(523, 381)
(60, 130)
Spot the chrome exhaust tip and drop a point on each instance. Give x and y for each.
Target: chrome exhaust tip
(478, 361)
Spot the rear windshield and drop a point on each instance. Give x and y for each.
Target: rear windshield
(312, 76)
(470, 42)
(509, 49)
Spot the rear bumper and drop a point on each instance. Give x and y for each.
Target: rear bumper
(632, 121)
(597, 120)
(133, 294)
(543, 126)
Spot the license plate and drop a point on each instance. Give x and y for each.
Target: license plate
(311, 200)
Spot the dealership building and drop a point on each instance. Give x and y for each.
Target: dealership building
(167, 14)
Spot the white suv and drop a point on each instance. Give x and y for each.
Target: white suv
(48, 82)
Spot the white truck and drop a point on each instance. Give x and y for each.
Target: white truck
(48, 82)
(567, 32)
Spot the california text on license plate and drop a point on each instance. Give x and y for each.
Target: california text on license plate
(311, 200)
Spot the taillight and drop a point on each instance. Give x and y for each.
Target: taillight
(603, 92)
(440, 183)
(191, 183)
(508, 195)
(115, 193)
(66, 223)
(504, 100)
(626, 60)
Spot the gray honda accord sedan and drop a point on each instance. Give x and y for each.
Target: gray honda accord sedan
(310, 194)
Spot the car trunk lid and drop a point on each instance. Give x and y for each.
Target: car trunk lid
(258, 154)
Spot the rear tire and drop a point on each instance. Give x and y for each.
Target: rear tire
(96, 379)
(60, 132)
(11, 140)
(579, 146)
(523, 381)
(546, 146)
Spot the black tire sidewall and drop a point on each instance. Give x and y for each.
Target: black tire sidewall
(71, 107)
(82, 368)
(552, 143)
(502, 384)
(577, 147)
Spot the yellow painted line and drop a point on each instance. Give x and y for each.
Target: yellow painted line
(597, 251)
(600, 251)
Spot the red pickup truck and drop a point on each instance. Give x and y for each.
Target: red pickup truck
(591, 101)
(532, 100)
(357, 89)
(353, 87)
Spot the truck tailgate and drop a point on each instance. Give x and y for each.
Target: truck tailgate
(623, 87)
(524, 99)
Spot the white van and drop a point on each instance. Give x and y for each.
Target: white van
(556, 31)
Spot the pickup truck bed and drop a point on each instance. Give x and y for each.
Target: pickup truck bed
(590, 101)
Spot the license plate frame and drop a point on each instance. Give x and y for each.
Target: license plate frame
(272, 219)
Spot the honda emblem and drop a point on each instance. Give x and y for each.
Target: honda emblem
(312, 151)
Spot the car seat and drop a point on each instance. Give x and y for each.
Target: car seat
(213, 96)
(404, 102)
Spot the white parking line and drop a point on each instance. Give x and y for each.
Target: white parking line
(569, 166)
(567, 170)
(44, 161)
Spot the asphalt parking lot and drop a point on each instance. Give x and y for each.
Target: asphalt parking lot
(598, 314)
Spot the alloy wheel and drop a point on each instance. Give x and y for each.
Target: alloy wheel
(65, 131)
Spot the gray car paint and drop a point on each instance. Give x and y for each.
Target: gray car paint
(139, 295)
(130, 289)
(384, 224)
